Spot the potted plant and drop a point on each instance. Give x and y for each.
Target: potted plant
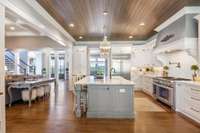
(147, 69)
(165, 71)
(99, 74)
(194, 68)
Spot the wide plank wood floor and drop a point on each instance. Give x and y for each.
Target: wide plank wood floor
(52, 116)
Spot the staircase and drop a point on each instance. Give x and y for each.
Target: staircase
(11, 64)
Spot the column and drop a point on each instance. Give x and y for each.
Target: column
(108, 66)
(66, 63)
(70, 68)
(17, 68)
(2, 71)
(45, 61)
(56, 65)
(198, 46)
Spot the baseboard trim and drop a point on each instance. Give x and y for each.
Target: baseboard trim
(193, 121)
(112, 115)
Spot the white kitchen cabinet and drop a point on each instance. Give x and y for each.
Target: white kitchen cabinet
(101, 94)
(79, 60)
(122, 99)
(110, 101)
(137, 79)
(188, 100)
(143, 82)
(147, 85)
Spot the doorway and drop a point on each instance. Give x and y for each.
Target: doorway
(61, 66)
(52, 66)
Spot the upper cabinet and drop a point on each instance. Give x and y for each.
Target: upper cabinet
(79, 60)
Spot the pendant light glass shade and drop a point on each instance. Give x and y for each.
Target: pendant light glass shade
(105, 47)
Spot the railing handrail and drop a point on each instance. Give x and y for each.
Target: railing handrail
(15, 63)
(19, 59)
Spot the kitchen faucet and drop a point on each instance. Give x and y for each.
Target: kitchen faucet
(112, 70)
(178, 64)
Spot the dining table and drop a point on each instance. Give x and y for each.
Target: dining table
(29, 85)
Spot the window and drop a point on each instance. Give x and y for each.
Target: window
(97, 66)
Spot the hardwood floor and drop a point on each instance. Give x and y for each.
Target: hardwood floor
(52, 116)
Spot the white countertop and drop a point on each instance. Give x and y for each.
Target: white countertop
(116, 80)
(190, 82)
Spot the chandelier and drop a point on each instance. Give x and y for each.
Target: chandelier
(105, 48)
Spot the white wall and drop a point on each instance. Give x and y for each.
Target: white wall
(2, 71)
(69, 60)
(185, 60)
(79, 60)
(31, 43)
(38, 60)
(142, 55)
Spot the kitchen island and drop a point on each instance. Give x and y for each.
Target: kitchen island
(104, 98)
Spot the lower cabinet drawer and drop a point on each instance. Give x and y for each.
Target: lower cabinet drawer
(192, 108)
(193, 91)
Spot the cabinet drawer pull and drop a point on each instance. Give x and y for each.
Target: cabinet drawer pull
(194, 110)
(107, 88)
(195, 98)
(195, 89)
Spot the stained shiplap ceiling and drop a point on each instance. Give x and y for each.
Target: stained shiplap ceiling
(124, 17)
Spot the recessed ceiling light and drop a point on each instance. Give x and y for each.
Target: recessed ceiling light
(142, 24)
(130, 37)
(71, 25)
(105, 13)
(80, 37)
(12, 28)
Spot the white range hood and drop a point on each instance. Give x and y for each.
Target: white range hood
(184, 44)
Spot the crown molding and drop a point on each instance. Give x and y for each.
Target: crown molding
(179, 14)
(25, 11)
(112, 42)
(40, 10)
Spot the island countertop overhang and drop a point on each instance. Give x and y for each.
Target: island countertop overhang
(115, 80)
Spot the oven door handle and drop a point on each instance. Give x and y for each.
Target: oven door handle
(165, 87)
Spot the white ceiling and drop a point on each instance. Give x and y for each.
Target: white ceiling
(21, 28)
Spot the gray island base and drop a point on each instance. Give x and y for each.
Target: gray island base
(105, 98)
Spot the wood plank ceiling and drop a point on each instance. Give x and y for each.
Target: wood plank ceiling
(124, 17)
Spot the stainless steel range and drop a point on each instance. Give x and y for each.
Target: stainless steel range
(164, 89)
